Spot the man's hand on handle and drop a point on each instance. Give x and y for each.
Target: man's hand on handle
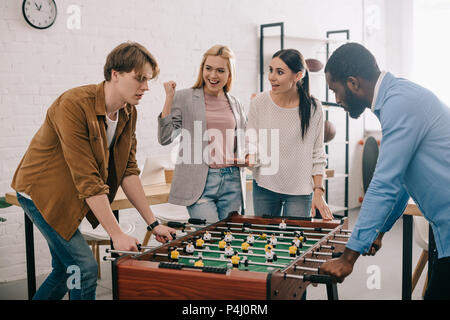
(341, 267)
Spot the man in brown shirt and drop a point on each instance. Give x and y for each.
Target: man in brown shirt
(76, 162)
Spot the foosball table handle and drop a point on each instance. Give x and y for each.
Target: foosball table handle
(176, 224)
(197, 221)
(318, 278)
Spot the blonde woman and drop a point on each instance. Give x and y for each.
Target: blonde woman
(211, 122)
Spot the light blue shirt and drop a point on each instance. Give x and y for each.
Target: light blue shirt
(414, 161)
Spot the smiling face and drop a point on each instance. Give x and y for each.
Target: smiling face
(281, 77)
(215, 74)
(353, 104)
(131, 86)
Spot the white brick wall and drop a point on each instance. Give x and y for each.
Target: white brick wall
(38, 65)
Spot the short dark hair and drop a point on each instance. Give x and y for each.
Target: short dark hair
(129, 56)
(352, 60)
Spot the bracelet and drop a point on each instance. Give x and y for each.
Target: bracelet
(321, 188)
(153, 225)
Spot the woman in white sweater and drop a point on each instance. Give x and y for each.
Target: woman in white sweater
(286, 149)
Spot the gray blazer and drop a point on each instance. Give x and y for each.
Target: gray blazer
(188, 118)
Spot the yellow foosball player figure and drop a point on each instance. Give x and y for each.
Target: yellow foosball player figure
(268, 247)
(199, 262)
(245, 246)
(222, 244)
(174, 254)
(199, 243)
(293, 251)
(263, 236)
(235, 260)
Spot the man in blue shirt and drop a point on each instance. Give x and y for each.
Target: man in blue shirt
(414, 159)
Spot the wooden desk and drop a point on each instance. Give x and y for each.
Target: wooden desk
(155, 194)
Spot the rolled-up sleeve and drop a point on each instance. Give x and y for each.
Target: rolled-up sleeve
(70, 124)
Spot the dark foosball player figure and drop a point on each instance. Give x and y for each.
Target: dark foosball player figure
(414, 160)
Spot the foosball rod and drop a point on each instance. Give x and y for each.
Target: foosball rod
(227, 260)
(284, 232)
(240, 253)
(236, 247)
(320, 229)
(314, 278)
(281, 243)
(122, 251)
(260, 241)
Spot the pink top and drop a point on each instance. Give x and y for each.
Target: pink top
(221, 125)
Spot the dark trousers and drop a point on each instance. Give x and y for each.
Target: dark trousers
(439, 282)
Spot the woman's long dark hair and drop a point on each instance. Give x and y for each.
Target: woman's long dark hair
(295, 61)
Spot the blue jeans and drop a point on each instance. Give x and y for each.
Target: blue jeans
(74, 265)
(222, 195)
(266, 202)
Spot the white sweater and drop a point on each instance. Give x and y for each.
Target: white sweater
(286, 163)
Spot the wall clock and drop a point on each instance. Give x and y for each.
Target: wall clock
(39, 14)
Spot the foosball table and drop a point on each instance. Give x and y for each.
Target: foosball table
(240, 257)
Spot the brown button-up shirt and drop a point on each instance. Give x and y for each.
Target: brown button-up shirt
(67, 160)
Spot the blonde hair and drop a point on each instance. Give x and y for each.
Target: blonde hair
(129, 56)
(218, 51)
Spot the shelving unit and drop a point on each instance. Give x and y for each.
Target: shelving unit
(327, 104)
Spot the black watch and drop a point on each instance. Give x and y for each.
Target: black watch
(153, 225)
